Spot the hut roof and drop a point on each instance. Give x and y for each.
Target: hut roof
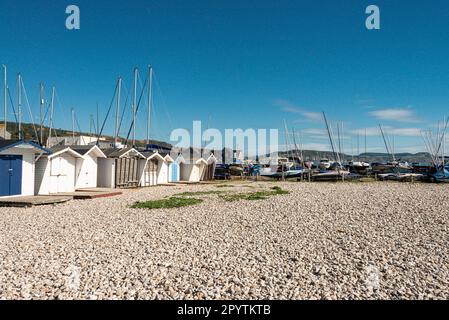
(152, 154)
(85, 150)
(120, 153)
(58, 150)
(8, 144)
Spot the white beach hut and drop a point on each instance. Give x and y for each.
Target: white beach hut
(175, 168)
(55, 172)
(153, 170)
(120, 168)
(87, 167)
(163, 176)
(17, 167)
(192, 169)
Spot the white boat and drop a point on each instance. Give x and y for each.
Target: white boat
(325, 164)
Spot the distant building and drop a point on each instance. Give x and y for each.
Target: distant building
(74, 141)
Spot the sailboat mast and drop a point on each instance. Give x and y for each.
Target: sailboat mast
(98, 124)
(385, 142)
(298, 155)
(444, 149)
(51, 116)
(330, 137)
(287, 140)
(73, 124)
(19, 105)
(150, 83)
(339, 138)
(393, 148)
(6, 100)
(135, 106)
(41, 112)
(342, 155)
(358, 146)
(365, 144)
(117, 111)
(90, 126)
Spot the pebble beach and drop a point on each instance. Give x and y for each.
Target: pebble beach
(379, 240)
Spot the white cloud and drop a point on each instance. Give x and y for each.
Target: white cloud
(313, 116)
(375, 131)
(289, 107)
(316, 146)
(399, 115)
(314, 131)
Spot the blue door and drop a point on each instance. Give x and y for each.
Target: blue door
(174, 172)
(10, 175)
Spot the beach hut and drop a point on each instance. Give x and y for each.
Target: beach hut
(209, 171)
(151, 168)
(87, 167)
(56, 171)
(120, 168)
(17, 167)
(192, 168)
(174, 170)
(165, 173)
(193, 171)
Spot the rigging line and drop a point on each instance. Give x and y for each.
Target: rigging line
(46, 114)
(153, 115)
(13, 109)
(56, 133)
(431, 147)
(329, 131)
(427, 146)
(137, 110)
(107, 115)
(337, 157)
(144, 92)
(152, 109)
(59, 100)
(93, 125)
(124, 107)
(79, 129)
(154, 124)
(444, 130)
(42, 121)
(164, 104)
(29, 110)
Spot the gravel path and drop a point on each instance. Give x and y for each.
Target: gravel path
(322, 241)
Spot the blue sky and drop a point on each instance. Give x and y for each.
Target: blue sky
(240, 64)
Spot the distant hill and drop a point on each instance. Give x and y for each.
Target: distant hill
(313, 155)
(29, 134)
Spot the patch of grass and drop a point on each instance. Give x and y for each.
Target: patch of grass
(259, 195)
(198, 193)
(168, 203)
(225, 186)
